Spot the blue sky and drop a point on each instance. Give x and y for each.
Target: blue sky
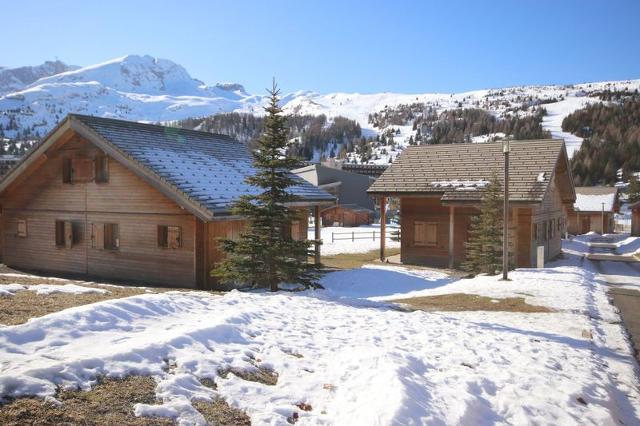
(326, 46)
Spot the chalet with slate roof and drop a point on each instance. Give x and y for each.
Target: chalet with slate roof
(128, 201)
(593, 210)
(440, 188)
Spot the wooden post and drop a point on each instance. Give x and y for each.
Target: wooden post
(316, 215)
(451, 228)
(383, 226)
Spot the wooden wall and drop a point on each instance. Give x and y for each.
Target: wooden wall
(429, 209)
(127, 200)
(545, 216)
(581, 223)
(345, 217)
(231, 230)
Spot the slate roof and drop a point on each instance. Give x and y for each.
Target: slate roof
(207, 168)
(459, 172)
(590, 198)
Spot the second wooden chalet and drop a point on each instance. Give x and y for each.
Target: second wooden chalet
(440, 188)
(128, 201)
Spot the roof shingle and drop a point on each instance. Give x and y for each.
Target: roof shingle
(457, 170)
(208, 168)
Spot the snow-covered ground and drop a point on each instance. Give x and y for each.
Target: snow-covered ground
(45, 289)
(353, 358)
(337, 239)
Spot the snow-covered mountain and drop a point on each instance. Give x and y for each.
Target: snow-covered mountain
(145, 88)
(14, 79)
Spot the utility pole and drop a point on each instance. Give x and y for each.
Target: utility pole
(602, 218)
(506, 148)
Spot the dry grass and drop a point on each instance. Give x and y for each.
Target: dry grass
(110, 402)
(354, 260)
(25, 304)
(469, 302)
(260, 375)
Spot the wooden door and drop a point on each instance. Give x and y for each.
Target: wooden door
(586, 224)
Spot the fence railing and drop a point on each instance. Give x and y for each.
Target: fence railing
(364, 235)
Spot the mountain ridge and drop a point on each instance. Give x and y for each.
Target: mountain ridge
(145, 88)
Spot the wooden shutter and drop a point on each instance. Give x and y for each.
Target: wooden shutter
(162, 236)
(174, 237)
(68, 234)
(67, 170)
(419, 233)
(432, 234)
(97, 236)
(59, 233)
(101, 169)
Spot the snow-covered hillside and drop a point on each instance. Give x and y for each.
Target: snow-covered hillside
(14, 79)
(150, 89)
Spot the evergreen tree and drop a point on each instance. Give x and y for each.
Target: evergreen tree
(634, 189)
(265, 254)
(484, 248)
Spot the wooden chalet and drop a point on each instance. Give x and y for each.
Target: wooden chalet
(440, 188)
(128, 201)
(635, 218)
(346, 215)
(594, 210)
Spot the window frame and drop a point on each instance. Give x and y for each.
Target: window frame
(22, 233)
(163, 233)
(111, 236)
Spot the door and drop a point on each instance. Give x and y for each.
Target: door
(586, 224)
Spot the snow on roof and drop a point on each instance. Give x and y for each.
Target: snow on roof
(591, 199)
(461, 184)
(206, 167)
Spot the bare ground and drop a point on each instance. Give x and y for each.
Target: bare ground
(110, 402)
(354, 260)
(469, 302)
(25, 304)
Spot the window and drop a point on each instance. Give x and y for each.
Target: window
(111, 236)
(169, 236)
(67, 233)
(101, 172)
(22, 228)
(105, 236)
(425, 233)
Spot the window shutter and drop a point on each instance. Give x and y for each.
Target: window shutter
(419, 233)
(101, 169)
(67, 170)
(162, 236)
(174, 237)
(68, 234)
(97, 236)
(432, 234)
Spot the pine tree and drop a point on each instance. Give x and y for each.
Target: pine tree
(634, 189)
(265, 255)
(484, 248)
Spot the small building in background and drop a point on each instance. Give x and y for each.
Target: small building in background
(346, 215)
(353, 206)
(6, 162)
(635, 218)
(593, 210)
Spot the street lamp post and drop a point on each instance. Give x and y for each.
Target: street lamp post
(506, 148)
(602, 218)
